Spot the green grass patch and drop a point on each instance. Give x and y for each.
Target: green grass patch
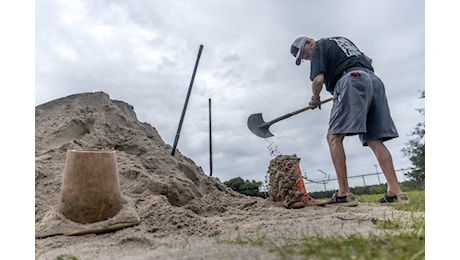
(416, 203)
(401, 246)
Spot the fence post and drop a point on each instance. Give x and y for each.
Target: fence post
(364, 181)
(378, 175)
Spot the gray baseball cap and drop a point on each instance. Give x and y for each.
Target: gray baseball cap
(296, 48)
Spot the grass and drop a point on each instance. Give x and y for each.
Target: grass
(401, 239)
(417, 201)
(402, 246)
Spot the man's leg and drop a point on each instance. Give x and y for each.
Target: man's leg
(386, 164)
(335, 142)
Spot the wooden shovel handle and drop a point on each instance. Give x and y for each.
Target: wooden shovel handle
(309, 107)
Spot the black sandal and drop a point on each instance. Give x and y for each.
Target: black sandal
(401, 197)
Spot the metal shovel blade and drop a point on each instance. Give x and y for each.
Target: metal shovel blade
(258, 126)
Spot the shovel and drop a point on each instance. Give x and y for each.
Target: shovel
(259, 127)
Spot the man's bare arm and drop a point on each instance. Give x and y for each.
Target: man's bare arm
(316, 86)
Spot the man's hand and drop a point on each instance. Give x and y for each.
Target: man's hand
(316, 87)
(315, 102)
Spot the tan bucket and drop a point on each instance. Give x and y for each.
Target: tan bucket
(90, 190)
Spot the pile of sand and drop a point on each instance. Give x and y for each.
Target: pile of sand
(184, 214)
(171, 190)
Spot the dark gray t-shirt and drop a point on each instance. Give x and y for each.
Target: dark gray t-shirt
(331, 56)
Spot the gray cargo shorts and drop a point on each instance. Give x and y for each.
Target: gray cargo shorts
(360, 107)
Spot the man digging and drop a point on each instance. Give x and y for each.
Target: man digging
(359, 108)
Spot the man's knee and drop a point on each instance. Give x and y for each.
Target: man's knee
(335, 138)
(375, 144)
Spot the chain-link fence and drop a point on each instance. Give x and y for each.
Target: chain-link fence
(363, 180)
(328, 182)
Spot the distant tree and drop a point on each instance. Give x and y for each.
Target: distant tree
(246, 187)
(415, 150)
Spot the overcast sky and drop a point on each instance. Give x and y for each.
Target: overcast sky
(143, 53)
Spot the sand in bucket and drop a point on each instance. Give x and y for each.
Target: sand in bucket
(90, 199)
(286, 185)
(90, 190)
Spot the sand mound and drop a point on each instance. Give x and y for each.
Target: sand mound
(158, 182)
(184, 214)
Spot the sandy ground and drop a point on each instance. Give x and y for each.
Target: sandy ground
(182, 213)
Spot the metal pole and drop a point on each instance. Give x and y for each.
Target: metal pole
(404, 175)
(362, 176)
(378, 177)
(210, 140)
(186, 101)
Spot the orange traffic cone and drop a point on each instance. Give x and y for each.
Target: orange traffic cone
(286, 184)
(304, 197)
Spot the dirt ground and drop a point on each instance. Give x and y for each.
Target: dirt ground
(173, 209)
